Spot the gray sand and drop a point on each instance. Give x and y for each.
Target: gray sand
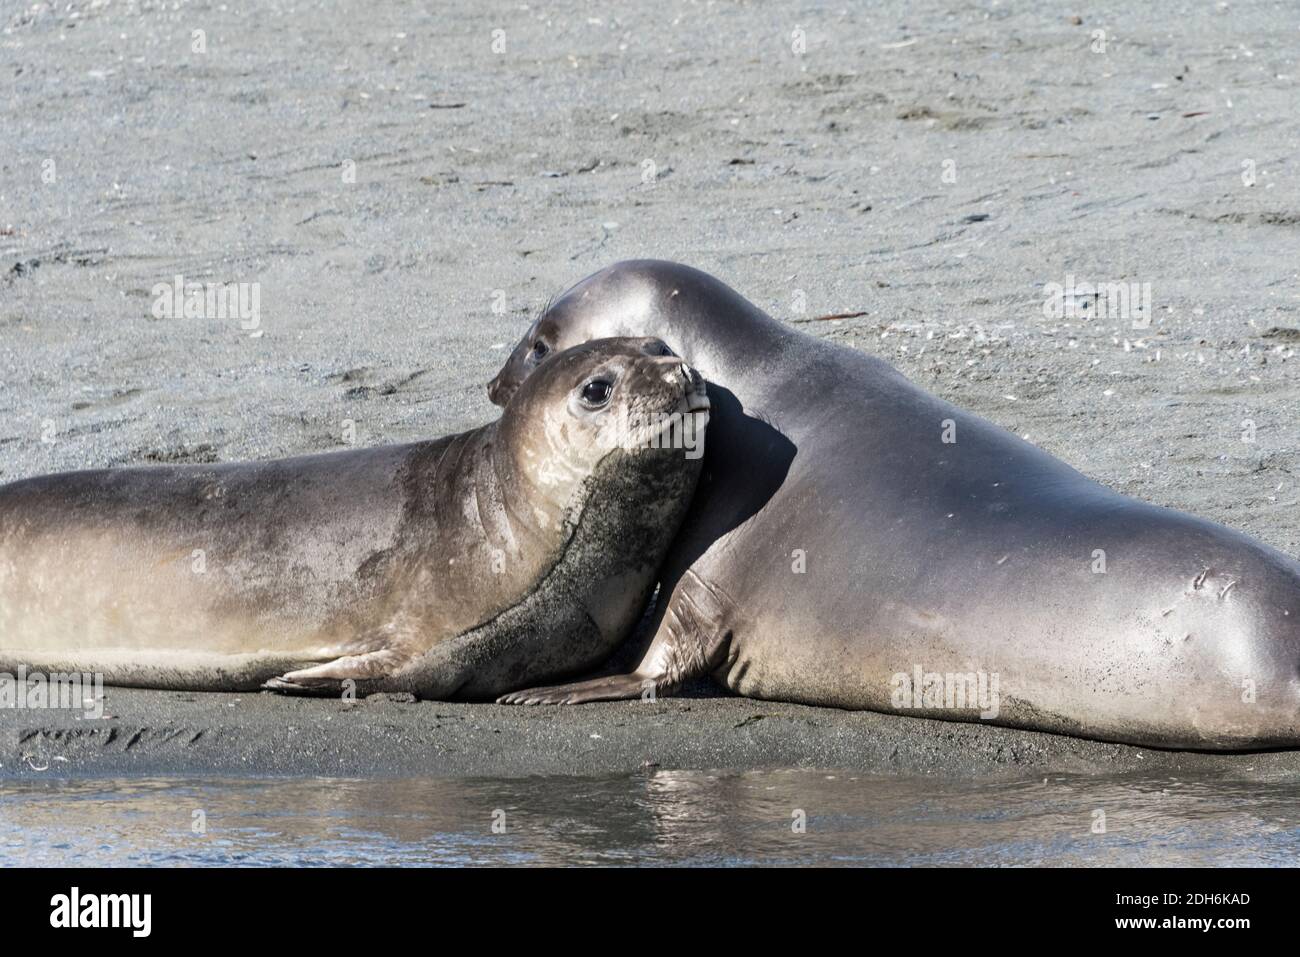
(485, 181)
(153, 733)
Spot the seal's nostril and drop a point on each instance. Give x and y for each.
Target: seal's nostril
(668, 362)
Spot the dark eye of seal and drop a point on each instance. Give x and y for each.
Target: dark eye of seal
(597, 392)
(540, 349)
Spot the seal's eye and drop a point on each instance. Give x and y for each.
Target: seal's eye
(597, 392)
(540, 349)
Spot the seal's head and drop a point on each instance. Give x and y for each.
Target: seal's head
(595, 462)
(631, 298)
(596, 405)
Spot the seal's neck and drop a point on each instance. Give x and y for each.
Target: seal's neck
(511, 498)
(470, 504)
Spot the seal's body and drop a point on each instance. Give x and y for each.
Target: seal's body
(459, 567)
(905, 554)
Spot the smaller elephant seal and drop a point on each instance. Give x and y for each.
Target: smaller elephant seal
(460, 567)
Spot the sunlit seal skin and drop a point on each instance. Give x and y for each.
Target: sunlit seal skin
(897, 537)
(460, 567)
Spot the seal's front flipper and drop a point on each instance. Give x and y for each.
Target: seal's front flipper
(691, 640)
(329, 677)
(285, 686)
(610, 688)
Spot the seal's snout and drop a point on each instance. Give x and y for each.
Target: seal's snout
(498, 394)
(674, 371)
(685, 380)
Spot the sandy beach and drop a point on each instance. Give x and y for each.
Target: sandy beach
(406, 188)
(155, 733)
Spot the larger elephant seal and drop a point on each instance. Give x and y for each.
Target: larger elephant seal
(899, 554)
(465, 566)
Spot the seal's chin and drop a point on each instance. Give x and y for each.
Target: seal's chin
(692, 413)
(695, 401)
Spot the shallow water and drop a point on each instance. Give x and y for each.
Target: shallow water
(664, 817)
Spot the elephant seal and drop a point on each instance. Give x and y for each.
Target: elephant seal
(905, 555)
(460, 567)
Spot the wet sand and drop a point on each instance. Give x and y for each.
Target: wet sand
(166, 733)
(409, 187)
